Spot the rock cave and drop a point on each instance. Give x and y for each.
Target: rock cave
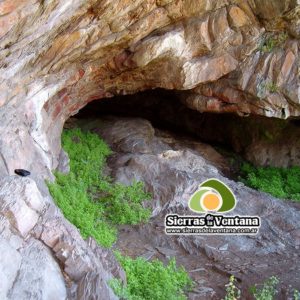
(170, 94)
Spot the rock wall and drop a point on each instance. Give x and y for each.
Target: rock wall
(56, 56)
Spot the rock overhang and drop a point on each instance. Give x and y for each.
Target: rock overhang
(59, 56)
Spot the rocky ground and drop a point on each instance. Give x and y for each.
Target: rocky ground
(172, 168)
(43, 255)
(56, 56)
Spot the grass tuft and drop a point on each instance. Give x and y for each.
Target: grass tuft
(279, 182)
(272, 41)
(151, 280)
(90, 200)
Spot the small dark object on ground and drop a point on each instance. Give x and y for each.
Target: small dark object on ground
(22, 172)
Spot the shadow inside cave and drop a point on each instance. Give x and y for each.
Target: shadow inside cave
(263, 141)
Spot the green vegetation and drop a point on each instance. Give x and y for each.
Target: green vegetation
(232, 291)
(279, 182)
(296, 295)
(151, 280)
(95, 205)
(268, 290)
(90, 200)
(272, 41)
(272, 87)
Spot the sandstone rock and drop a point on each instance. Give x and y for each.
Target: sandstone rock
(29, 270)
(91, 286)
(56, 56)
(42, 255)
(21, 203)
(63, 162)
(39, 276)
(82, 261)
(9, 270)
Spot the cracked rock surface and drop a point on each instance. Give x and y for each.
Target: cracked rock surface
(42, 255)
(172, 169)
(58, 55)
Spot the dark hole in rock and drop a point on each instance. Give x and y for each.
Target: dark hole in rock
(22, 172)
(261, 140)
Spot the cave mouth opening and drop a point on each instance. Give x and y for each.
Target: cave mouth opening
(262, 141)
(163, 108)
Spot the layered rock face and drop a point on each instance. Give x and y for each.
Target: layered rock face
(42, 255)
(56, 56)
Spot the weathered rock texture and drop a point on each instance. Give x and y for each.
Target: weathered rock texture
(58, 55)
(42, 255)
(172, 169)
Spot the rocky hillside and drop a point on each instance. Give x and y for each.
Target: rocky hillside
(56, 56)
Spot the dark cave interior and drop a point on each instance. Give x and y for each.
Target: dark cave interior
(165, 110)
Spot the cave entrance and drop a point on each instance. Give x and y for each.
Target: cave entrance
(169, 175)
(261, 140)
(162, 108)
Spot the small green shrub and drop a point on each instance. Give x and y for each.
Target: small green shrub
(272, 41)
(272, 87)
(279, 182)
(151, 280)
(232, 291)
(90, 200)
(123, 203)
(268, 290)
(296, 295)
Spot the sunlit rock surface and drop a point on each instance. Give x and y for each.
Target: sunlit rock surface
(57, 55)
(43, 255)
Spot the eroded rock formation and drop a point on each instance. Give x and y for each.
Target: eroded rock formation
(172, 168)
(56, 56)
